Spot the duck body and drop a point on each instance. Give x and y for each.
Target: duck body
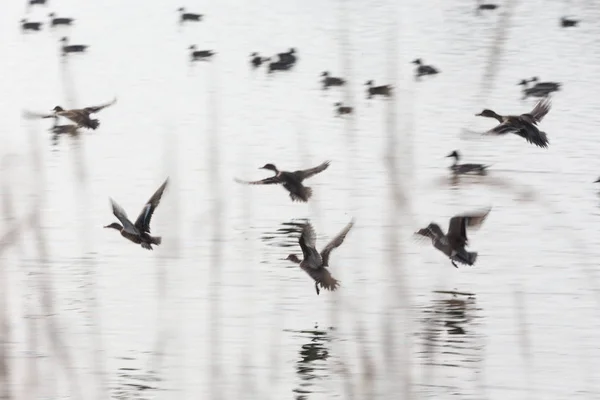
(331, 80)
(466, 169)
(72, 48)
(186, 16)
(291, 181)
(30, 26)
(342, 109)
(279, 66)
(288, 57)
(139, 232)
(315, 263)
(37, 2)
(524, 125)
(383, 90)
(423, 69)
(453, 244)
(256, 60)
(55, 21)
(82, 116)
(568, 22)
(200, 55)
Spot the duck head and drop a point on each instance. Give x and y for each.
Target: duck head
(523, 82)
(597, 180)
(417, 61)
(192, 47)
(271, 167)
(181, 9)
(292, 50)
(293, 258)
(115, 225)
(325, 73)
(254, 54)
(51, 15)
(369, 83)
(454, 154)
(338, 104)
(64, 39)
(58, 109)
(489, 113)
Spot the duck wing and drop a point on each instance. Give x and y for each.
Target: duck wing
(267, 181)
(502, 129)
(307, 173)
(121, 215)
(457, 229)
(142, 223)
(538, 113)
(95, 109)
(33, 115)
(307, 242)
(335, 242)
(533, 135)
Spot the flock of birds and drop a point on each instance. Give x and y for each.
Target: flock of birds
(314, 263)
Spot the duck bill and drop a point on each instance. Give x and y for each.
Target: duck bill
(478, 115)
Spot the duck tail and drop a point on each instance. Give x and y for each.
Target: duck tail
(328, 282)
(470, 257)
(308, 193)
(93, 124)
(157, 240)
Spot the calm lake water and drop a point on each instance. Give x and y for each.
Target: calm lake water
(215, 311)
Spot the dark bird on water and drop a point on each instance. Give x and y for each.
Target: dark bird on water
(292, 181)
(186, 16)
(383, 90)
(80, 116)
(423, 69)
(568, 22)
(342, 109)
(331, 80)
(72, 48)
(54, 20)
(200, 55)
(453, 243)
(315, 263)
(524, 125)
(464, 169)
(256, 60)
(139, 232)
(30, 26)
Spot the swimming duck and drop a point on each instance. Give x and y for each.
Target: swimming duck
(30, 26)
(423, 69)
(292, 181)
(257, 60)
(139, 232)
(288, 57)
(550, 85)
(453, 243)
(72, 48)
(331, 80)
(54, 20)
(341, 109)
(568, 22)
(199, 55)
(185, 16)
(34, 2)
(315, 263)
(523, 125)
(486, 6)
(463, 169)
(383, 90)
(278, 66)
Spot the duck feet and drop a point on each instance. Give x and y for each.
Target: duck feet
(317, 288)
(453, 263)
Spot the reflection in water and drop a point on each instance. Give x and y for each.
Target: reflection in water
(311, 364)
(134, 383)
(521, 191)
(450, 340)
(287, 235)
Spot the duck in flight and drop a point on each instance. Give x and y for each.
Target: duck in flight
(524, 125)
(315, 263)
(80, 116)
(453, 243)
(139, 232)
(292, 181)
(463, 169)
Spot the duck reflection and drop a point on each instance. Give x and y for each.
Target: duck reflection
(312, 362)
(450, 339)
(522, 192)
(134, 383)
(286, 235)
